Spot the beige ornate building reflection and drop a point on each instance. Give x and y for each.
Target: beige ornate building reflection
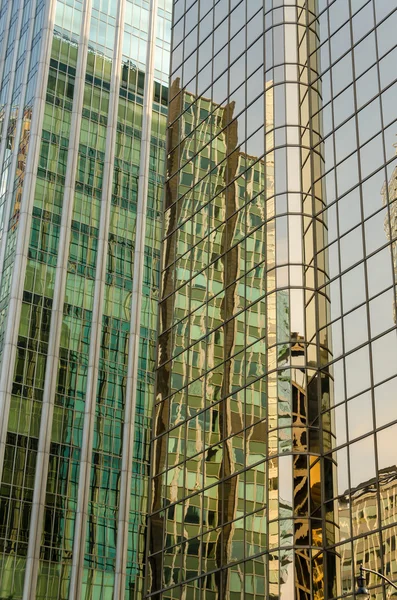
(362, 504)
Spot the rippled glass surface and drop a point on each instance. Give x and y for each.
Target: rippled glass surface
(274, 466)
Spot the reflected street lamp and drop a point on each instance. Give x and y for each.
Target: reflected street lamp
(362, 591)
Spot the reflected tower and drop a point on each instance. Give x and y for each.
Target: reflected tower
(239, 478)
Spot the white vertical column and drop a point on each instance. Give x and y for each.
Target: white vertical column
(23, 232)
(96, 324)
(136, 303)
(47, 412)
(294, 186)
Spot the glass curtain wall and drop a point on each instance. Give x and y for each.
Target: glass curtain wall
(76, 86)
(359, 121)
(273, 462)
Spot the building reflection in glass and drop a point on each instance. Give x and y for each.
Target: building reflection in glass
(237, 467)
(276, 405)
(361, 506)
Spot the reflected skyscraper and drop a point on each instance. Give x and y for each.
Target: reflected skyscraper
(272, 464)
(277, 354)
(237, 463)
(362, 505)
(83, 104)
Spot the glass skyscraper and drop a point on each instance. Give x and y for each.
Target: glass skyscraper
(273, 465)
(265, 276)
(83, 104)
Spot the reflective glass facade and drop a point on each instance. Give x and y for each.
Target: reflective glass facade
(273, 455)
(83, 104)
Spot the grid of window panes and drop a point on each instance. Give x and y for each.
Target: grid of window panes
(236, 376)
(107, 450)
(273, 457)
(24, 43)
(146, 364)
(94, 133)
(357, 55)
(27, 392)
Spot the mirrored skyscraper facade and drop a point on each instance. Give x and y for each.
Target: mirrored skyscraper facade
(83, 104)
(273, 456)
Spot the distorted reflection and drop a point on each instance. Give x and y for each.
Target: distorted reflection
(278, 314)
